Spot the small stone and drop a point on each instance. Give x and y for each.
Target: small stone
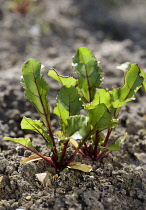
(45, 179)
(28, 198)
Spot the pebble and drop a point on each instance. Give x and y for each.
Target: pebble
(28, 197)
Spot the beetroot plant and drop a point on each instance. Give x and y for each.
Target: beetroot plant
(87, 112)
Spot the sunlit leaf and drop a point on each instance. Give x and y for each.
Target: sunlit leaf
(77, 126)
(143, 74)
(73, 142)
(31, 158)
(100, 118)
(79, 166)
(89, 74)
(34, 125)
(26, 142)
(101, 96)
(36, 88)
(68, 104)
(132, 83)
(62, 79)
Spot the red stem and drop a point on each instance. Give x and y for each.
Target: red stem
(47, 159)
(87, 150)
(102, 155)
(64, 152)
(107, 137)
(96, 144)
(77, 150)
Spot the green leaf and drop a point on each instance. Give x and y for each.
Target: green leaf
(101, 96)
(74, 143)
(34, 125)
(26, 142)
(117, 98)
(143, 74)
(77, 127)
(100, 118)
(132, 83)
(89, 74)
(125, 66)
(117, 145)
(68, 104)
(62, 79)
(36, 88)
(79, 166)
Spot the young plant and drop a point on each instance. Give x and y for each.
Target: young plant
(85, 132)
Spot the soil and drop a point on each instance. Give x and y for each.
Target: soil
(51, 32)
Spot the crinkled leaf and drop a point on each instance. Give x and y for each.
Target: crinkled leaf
(100, 118)
(79, 166)
(89, 74)
(62, 79)
(68, 104)
(26, 142)
(36, 88)
(132, 82)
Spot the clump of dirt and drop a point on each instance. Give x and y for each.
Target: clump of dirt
(51, 32)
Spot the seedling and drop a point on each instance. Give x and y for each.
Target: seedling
(85, 132)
